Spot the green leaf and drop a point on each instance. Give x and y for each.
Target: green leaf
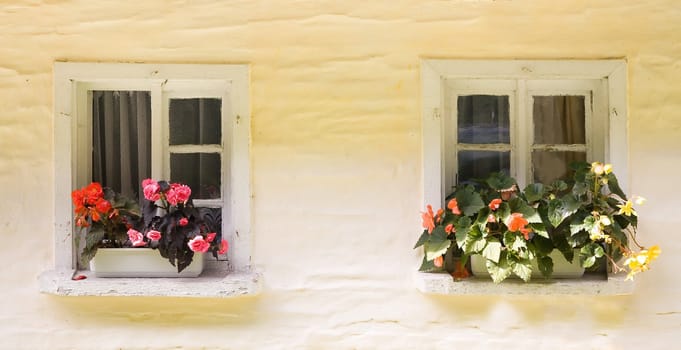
(545, 265)
(578, 239)
(501, 270)
(428, 266)
(540, 230)
(475, 242)
(92, 238)
(517, 205)
(469, 201)
(542, 245)
(424, 237)
(614, 186)
(523, 269)
(589, 253)
(514, 241)
(438, 235)
(435, 249)
(463, 226)
(492, 250)
(481, 219)
(560, 209)
(500, 181)
(579, 189)
(534, 192)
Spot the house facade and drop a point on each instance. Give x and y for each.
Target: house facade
(335, 170)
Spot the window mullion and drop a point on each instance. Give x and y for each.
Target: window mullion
(159, 130)
(522, 136)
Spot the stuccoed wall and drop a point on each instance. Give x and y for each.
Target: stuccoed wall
(336, 169)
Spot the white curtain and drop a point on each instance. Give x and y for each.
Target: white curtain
(121, 140)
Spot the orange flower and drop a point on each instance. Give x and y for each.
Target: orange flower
(428, 220)
(438, 216)
(454, 206)
(526, 233)
(494, 204)
(516, 222)
(439, 261)
(450, 228)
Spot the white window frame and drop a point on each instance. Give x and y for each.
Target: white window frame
(229, 82)
(437, 74)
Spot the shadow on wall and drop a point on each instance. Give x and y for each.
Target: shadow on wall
(602, 311)
(162, 311)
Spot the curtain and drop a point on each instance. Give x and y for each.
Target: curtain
(121, 140)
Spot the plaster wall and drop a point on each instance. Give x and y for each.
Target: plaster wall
(335, 169)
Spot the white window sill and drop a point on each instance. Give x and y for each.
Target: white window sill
(590, 284)
(214, 282)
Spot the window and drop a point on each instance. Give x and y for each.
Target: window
(526, 118)
(529, 119)
(121, 123)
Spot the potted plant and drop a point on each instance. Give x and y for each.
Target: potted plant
(526, 232)
(171, 225)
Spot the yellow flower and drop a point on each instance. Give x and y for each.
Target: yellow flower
(626, 209)
(607, 168)
(597, 168)
(639, 262)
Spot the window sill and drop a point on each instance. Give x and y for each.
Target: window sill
(214, 282)
(590, 284)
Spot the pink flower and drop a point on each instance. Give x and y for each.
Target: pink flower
(198, 244)
(136, 237)
(223, 247)
(154, 235)
(210, 237)
(178, 193)
(151, 189)
(183, 222)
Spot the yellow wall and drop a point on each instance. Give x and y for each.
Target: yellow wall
(336, 169)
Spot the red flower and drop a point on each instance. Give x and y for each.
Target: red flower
(223, 247)
(454, 206)
(494, 204)
(428, 220)
(103, 206)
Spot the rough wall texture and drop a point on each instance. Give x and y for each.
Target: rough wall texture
(336, 169)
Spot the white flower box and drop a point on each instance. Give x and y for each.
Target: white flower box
(561, 267)
(140, 262)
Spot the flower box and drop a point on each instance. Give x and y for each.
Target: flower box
(139, 262)
(561, 267)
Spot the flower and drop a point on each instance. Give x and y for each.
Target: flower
(224, 246)
(136, 238)
(626, 209)
(428, 220)
(439, 261)
(180, 226)
(588, 213)
(198, 244)
(494, 204)
(453, 205)
(103, 218)
(154, 235)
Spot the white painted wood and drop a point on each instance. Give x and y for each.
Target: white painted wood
(617, 152)
(73, 80)
(431, 134)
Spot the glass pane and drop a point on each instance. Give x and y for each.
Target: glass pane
(478, 164)
(483, 119)
(559, 120)
(550, 166)
(121, 140)
(195, 121)
(200, 171)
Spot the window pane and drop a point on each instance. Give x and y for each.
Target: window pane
(478, 164)
(483, 119)
(549, 166)
(121, 139)
(559, 120)
(200, 171)
(195, 121)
